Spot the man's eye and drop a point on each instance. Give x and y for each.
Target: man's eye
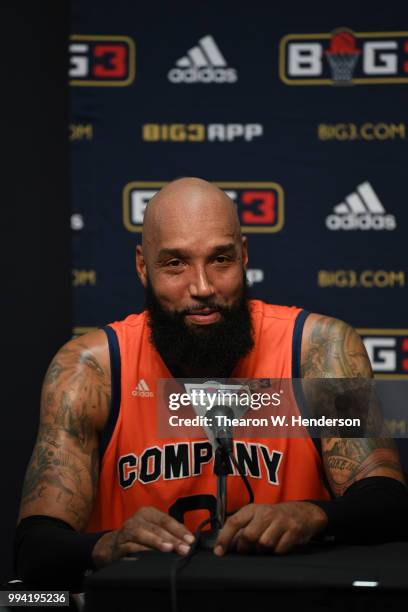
(221, 259)
(174, 263)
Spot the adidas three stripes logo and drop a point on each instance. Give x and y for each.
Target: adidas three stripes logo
(204, 63)
(361, 210)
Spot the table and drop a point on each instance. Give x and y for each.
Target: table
(321, 576)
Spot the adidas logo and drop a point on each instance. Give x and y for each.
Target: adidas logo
(142, 389)
(203, 64)
(361, 210)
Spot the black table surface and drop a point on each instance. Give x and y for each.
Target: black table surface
(315, 566)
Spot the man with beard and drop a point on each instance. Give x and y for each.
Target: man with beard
(101, 485)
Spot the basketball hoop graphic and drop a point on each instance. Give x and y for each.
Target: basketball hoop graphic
(342, 57)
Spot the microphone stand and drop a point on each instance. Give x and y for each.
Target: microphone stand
(221, 465)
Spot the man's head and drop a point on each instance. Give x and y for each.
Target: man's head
(192, 264)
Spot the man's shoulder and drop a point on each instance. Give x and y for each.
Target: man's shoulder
(332, 347)
(94, 342)
(321, 326)
(78, 379)
(77, 349)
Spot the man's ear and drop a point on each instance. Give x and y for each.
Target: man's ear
(244, 251)
(141, 265)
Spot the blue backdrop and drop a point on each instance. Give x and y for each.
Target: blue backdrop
(300, 113)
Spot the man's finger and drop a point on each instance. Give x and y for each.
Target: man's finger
(166, 523)
(271, 536)
(234, 540)
(259, 522)
(288, 541)
(144, 533)
(164, 534)
(172, 526)
(235, 522)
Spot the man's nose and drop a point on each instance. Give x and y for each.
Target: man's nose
(200, 285)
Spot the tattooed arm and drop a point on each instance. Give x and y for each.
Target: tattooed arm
(62, 475)
(332, 349)
(61, 479)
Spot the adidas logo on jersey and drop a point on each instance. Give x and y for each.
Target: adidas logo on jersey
(142, 389)
(203, 64)
(361, 210)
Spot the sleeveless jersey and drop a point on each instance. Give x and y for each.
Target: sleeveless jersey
(177, 475)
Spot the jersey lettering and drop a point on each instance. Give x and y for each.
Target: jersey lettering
(176, 463)
(186, 459)
(150, 465)
(127, 470)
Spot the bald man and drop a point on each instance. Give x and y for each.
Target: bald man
(100, 485)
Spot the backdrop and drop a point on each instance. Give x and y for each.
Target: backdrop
(298, 112)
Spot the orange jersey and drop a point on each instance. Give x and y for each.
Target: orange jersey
(176, 475)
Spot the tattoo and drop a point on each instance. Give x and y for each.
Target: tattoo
(90, 361)
(348, 460)
(335, 351)
(51, 470)
(63, 470)
(76, 423)
(53, 372)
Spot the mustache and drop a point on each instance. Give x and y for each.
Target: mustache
(210, 305)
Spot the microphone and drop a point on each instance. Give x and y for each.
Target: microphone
(221, 417)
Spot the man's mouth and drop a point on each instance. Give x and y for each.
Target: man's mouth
(204, 316)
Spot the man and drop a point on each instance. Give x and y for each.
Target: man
(198, 323)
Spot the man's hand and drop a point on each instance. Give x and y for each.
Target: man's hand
(148, 528)
(276, 528)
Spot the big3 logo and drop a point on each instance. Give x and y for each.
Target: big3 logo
(260, 205)
(101, 61)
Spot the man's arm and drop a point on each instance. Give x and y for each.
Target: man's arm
(333, 349)
(62, 475)
(330, 349)
(61, 479)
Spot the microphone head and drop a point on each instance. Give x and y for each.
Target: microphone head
(221, 417)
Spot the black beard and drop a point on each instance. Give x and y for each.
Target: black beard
(203, 351)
